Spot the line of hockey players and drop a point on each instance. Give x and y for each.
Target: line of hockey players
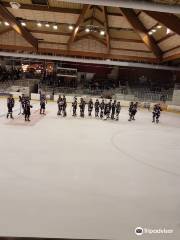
(104, 110)
(25, 107)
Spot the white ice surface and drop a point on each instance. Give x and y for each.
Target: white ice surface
(89, 178)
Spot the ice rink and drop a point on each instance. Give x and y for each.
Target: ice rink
(89, 178)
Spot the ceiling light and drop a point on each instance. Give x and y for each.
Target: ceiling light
(154, 30)
(15, 5)
(159, 26)
(71, 27)
(55, 27)
(39, 24)
(47, 25)
(168, 31)
(150, 33)
(6, 23)
(102, 32)
(87, 30)
(23, 23)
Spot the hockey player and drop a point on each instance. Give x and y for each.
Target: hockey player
(156, 113)
(43, 103)
(10, 105)
(130, 107)
(102, 105)
(22, 102)
(90, 107)
(82, 107)
(27, 109)
(118, 109)
(64, 106)
(96, 106)
(135, 109)
(60, 105)
(74, 106)
(113, 109)
(132, 111)
(110, 106)
(107, 110)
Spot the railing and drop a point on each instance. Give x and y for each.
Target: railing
(138, 95)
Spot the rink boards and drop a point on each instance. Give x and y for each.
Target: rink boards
(124, 103)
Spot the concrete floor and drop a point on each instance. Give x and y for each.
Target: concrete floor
(89, 178)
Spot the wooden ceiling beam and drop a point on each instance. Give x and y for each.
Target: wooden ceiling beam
(7, 16)
(90, 36)
(106, 25)
(94, 18)
(166, 37)
(93, 36)
(139, 28)
(50, 32)
(78, 23)
(5, 30)
(54, 9)
(46, 8)
(114, 14)
(171, 21)
(96, 7)
(131, 50)
(53, 43)
(126, 40)
(172, 57)
(173, 48)
(80, 54)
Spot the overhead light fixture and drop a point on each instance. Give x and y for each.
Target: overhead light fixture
(47, 25)
(6, 23)
(150, 33)
(71, 27)
(102, 32)
(55, 27)
(153, 30)
(159, 26)
(168, 31)
(15, 5)
(87, 30)
(39, 24)
(23, 24)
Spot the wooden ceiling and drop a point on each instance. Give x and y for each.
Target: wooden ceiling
(126, 31)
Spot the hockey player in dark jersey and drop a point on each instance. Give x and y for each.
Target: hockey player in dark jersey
(110, 106)
(130, 107)
(135, 110)
(10, 106)
(132, 111)
(118, 109)
(64, 106)
(74, 107)
(82, 107)
(43, 103)
(60, 105)
(27, 109)
(156, 113)
(107, 110)
(102, 105)
(113, 109)
(96, 106)
(90, 107)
